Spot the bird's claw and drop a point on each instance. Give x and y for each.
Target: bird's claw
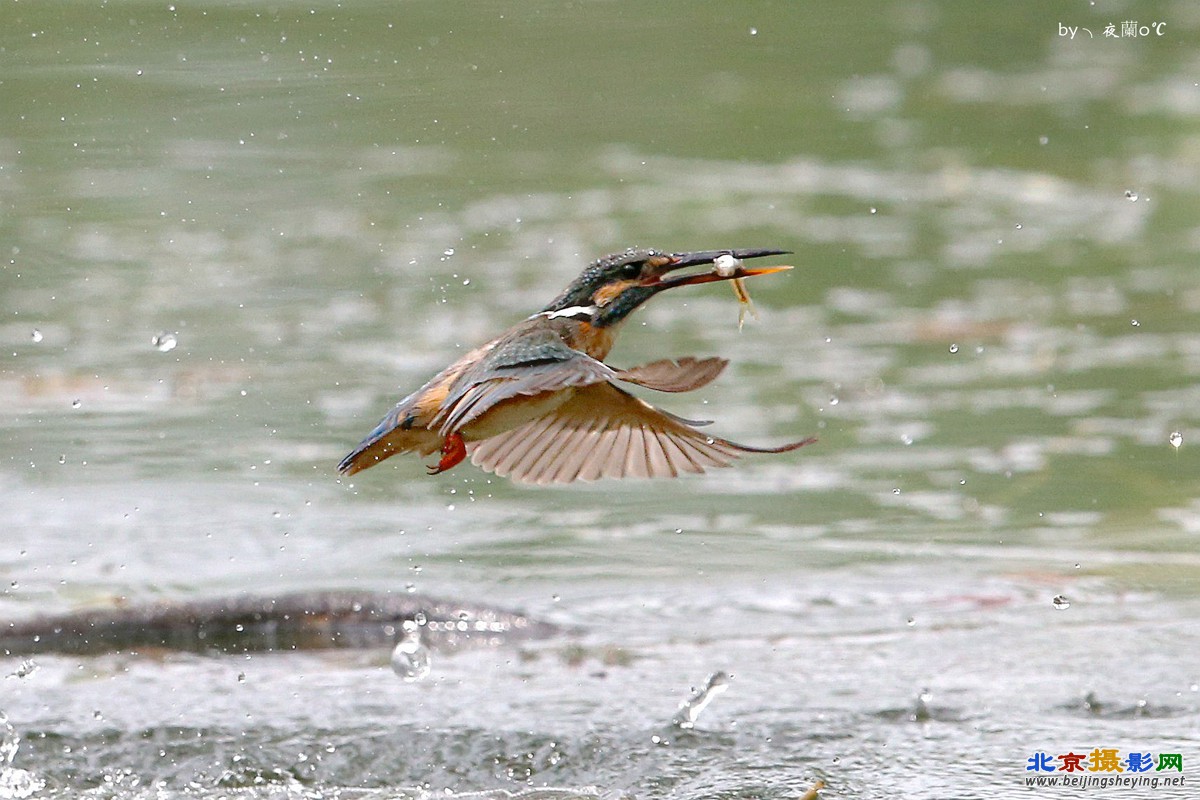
(454, 450)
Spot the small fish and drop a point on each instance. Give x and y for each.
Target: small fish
(728, 265)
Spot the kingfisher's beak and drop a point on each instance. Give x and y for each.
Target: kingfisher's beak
(682, 260)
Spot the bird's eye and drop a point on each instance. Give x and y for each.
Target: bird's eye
(631, 270)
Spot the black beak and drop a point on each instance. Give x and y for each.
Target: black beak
(681, 260)
(709, 256)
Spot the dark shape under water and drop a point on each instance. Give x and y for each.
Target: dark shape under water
(245, 624)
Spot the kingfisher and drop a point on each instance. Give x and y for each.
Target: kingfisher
(539, 405)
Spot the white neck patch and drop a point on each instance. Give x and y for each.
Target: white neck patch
(573, 311)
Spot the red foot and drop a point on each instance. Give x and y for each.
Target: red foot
(454, 450)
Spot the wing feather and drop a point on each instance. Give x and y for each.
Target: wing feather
(541, 469)
(675, 455)
(604, 432)
(570, 458)
(574, 467)
(657, 460)
(679, 375)
(614, 465)
(597, 456)
(526, 452)
(636, 465)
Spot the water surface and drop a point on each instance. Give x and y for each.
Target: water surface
(235, 234)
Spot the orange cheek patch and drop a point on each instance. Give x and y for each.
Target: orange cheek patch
(609, 292)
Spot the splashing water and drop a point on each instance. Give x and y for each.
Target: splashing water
(14, 783)
(689, 711)
(410, 657)
(26, 668)
(920, 712)
(9, 742)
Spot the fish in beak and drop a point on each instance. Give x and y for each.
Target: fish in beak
(726, 266)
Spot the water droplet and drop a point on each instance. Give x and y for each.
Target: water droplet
(896, 491)
(1176, 439)
(36, 336)
(1018, 226)
(833, 400)
(62, 459)
(905, 439)
(1043, 140)
(1131, 195)
(241, 678)
(449, 251)
(754, 31)
(410, 657)
(1060, 602)
(910, 622)
(76, 404)
(874, 210)
(1135, 323)
(165, 342)
(953, 348)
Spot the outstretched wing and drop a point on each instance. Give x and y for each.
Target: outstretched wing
(527, 364)
(680, 375)
(605, 432)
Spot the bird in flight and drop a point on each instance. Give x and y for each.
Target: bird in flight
(538, 405)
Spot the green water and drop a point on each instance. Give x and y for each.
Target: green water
(233, 234)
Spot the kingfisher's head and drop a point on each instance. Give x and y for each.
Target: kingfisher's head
(615, 285)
